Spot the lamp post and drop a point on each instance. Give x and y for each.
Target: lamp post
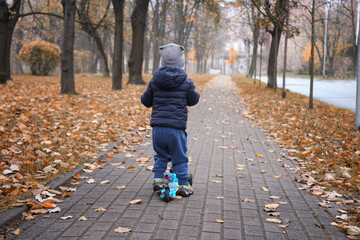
(357, 108)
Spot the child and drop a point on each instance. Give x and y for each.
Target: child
(169, 93)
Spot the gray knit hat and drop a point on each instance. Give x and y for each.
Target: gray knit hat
(172, 54)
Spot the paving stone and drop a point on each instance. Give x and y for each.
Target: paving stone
(212, 123)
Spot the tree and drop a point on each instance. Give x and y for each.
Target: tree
(273, 20)
(255, 28)
(67, 49)
(158, 30)
(138, 23)
(118, 42)
(90, 24)
(9, 16)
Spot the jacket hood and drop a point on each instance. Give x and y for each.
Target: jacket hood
(168, 77)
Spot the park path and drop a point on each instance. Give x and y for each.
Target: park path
(232, 183)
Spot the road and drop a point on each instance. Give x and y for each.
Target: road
(341, 93)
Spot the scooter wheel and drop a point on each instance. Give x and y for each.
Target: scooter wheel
(167, 195)
(190, 179)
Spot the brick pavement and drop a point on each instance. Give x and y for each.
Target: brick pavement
(220, 140)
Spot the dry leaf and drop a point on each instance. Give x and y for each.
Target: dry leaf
(258, 155)
(324, 204)
(136, 201)
(275, 214)
(17, 232)
(142, 159)
(178, 197)
(219, 221)
(283, 203)
(223, 147)
(101, 209)
(263, 171)
(121, 187)
(277, 176)
(240, 169)
(90, 181)
(265, 189)
(249, 200)
(66, 217)
(122, 230)
(82, 218)
(272, 205)
(274, 197)
(220, 197)
(352, 230)
(132, 168)
(88, 170)
(105, 182)
(273, 220)
(216, 181)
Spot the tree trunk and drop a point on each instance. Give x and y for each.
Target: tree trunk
(254, 52)
(160, 35)
(272, 62)
(67, 51)
(7, 25)
(100, 47)
(118, 44)
(138, 22)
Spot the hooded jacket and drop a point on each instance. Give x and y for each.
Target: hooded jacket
(169, 93)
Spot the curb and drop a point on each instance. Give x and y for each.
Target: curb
(12, 213)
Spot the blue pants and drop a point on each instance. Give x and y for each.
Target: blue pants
(170, 145)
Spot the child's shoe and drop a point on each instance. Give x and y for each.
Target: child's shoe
(185, 190)
(159, 183)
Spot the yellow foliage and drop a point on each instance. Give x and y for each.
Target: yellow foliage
(41, 56)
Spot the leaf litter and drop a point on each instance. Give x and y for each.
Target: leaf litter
(321, 141)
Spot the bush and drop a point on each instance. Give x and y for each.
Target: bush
(41, 56)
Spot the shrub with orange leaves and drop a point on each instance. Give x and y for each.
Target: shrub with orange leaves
(41, 56)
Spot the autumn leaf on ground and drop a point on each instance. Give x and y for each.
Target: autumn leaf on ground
(121, 187)
(142, 159)
(82, 218)
(249, 200)
(136, 201)
(277, 176)
(122, 230)
(219, 221)
(258, 155)
(132, 168)
(223, 147)
(273, 220)
(216, 181)
(105, 182)
(16, 232)
(66, 217)
(101, 209)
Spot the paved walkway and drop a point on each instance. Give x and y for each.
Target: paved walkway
(230, 183)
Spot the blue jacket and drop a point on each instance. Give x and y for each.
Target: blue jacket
(169, 93)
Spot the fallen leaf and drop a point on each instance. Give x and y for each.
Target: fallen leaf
(353, 230)
(101, 209)
(273, 220)
(160, 216)
(274, 197)
(240, 169)
(132, 168)
(178, 197)
(265, 189)
(275, 214)
(142, 159)
(216, 181)
(82, 218)
(122, 230)
(66, 217)
(219, 221)
(136, 201)
(220, 197)
(105, 182)
(272, 205)
(249, 200)
(263, 171)
(258, 155)
(223, 147)
(277, 176)
(324, 204)
(121, 187)
(341, 211)
(90, 181)
(16, 232)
